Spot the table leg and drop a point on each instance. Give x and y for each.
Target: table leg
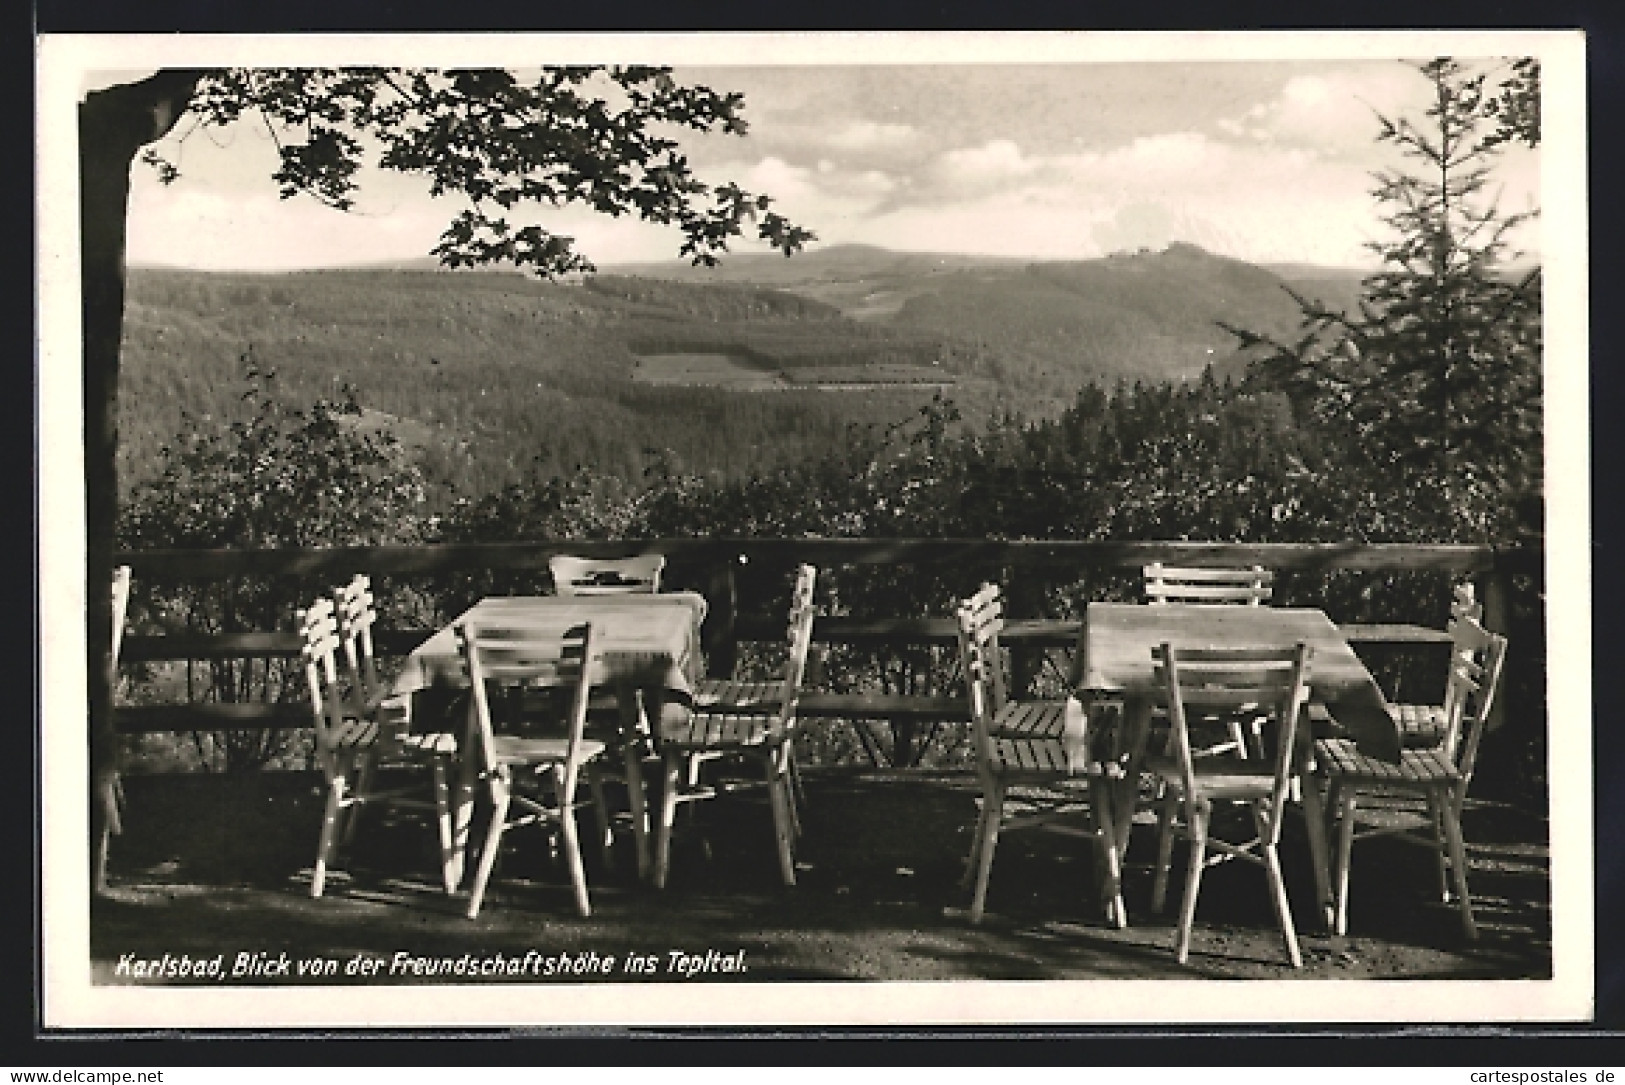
(634, 725)
(1314, 816)
(1130, 752)
(1104, 804)
(469, 755)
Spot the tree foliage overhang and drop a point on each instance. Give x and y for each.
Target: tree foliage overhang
(599, 137)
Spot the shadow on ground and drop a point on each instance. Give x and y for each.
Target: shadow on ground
(214, 865)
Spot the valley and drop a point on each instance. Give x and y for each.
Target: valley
(492, 376)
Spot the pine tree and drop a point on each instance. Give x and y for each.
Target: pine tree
(1433, 389)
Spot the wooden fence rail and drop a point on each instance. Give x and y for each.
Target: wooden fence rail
(714, 564)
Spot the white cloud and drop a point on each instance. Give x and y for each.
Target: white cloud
(1253, 201)
(1335, 112)
(996, 162)
(861, 135)
(1286, 178)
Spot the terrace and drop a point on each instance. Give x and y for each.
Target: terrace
(213, 863)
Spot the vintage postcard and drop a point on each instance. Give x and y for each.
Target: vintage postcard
(673, 530)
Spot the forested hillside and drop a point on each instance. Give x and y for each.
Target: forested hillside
(492, 375)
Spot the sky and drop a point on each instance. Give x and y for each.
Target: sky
(1268, 161)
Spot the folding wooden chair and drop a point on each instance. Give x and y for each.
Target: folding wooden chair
(356, 730)
(1028, 744)
(1438, 777)
(754, 729)
(1250, 680)
(538, 767)
(606, 576)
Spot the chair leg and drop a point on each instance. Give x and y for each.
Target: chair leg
(1440, 850)
(1314, 817)
(500, 797)
(366, 768)
(572, 842)
(797, 790)
(1198, 818)
(637, 799)
(1165, 847)
(1239, 738)
(779, 799)
(785, 760)
(1283, 907)
(992, 815)
(1345, 851)
(462, 817)
(330, 831)
(449, 873)
(968, 879)
(1458, 864)
(668, 815)
(600, 813)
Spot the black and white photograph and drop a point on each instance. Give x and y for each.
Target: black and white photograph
(758, 529)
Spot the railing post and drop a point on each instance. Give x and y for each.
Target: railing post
(1501, 756)
(1026, 662)
(1495, 594)
(718, 636)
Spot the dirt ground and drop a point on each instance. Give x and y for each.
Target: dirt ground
(212, 864)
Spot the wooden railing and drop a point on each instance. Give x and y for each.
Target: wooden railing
(714, 565)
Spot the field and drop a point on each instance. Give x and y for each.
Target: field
(709, 370)
(741, 374)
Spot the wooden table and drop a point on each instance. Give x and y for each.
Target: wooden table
(646, 644)
(1114, 659)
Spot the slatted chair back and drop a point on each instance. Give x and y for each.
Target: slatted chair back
(355, 615)
(1258, 681)
(606, 576)
(980, 620)
(1464, 603)
(507, 657)
(121, 606)
(1476, 658)
(319, 647)
(799, 639)
(1169, 584)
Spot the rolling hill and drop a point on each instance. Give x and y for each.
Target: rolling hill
(737, 368)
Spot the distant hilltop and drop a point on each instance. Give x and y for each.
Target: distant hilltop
(844, 262)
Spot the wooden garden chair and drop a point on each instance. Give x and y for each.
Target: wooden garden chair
(356, 730)
(532, 768)
(1172, 584)
(756, 728)
(1436, 778)
(606, 576)
(1032, 745)
(1253, 586)
(1424, 725)
(403, 745)
(1224, 680)
(638, 575)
